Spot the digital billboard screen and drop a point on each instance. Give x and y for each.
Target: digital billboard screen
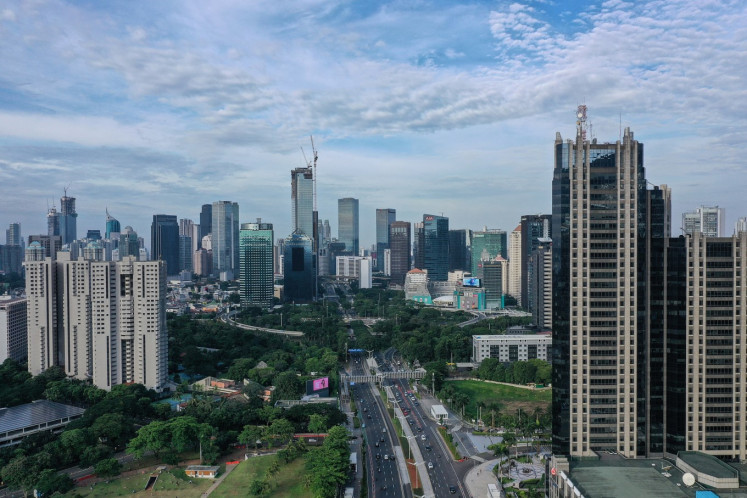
(471, 282)
(320, 387)
(320, 384)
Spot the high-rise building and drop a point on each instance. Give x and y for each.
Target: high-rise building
(225, 230)
(599, 238)
(202, 262)
(298, 269)
(534, 227)
(128, 243)
(514, 264)
(539, 280)
(418, 246)
(256, 274)
(68, 219)
(51, 244)
(399, 245)
(493, 277)
(11, 259)
(302, 201)
(112, 226)
(53, 222)
(104, 321)
(347, 226)
(384, 218)
(93, 234)
(13, 340)
(164, 241)
(459, 250)
(486, 245)
(185, 253)
(356, 267)
(741, 225)
(708, 220)
(13, 235)
(206, 220)
(436, 246)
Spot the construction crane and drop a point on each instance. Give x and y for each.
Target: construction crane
(316, 156)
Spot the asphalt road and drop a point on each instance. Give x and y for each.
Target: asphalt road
(383, 479)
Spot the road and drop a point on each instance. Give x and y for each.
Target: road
(383, 478)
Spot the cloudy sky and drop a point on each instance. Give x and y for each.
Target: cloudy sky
(422, 106)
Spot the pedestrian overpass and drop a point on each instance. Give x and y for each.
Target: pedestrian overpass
(382, 376)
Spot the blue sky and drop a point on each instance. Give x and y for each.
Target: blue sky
(422, 106)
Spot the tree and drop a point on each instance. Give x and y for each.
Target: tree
(50, 482)
(113, 429)
(155, 437)
(108, 467)
(251, 435)
(317, 423)
(20, 473)
(93, 454)
(287, 385)
(324, 471)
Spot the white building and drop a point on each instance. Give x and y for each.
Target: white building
(708, 220)
(356, 267)
(13, 343)
(510, 348)
(388, 262)
(99, 320)
(514, 264)
(416, 286)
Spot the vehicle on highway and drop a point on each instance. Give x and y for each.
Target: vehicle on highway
(452, 490)
(386, 457)
(422, 437)
(430, 465)
(383, 430)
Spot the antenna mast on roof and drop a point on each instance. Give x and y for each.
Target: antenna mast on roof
(581, 121)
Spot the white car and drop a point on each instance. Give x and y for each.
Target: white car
(422, 437)
(430, 465)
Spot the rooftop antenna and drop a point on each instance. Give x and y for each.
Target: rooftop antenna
(620, 131)
(581, 121)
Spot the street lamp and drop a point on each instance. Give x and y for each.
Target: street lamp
(409, 450)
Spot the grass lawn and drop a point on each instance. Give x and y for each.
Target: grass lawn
(289, 481)
(510, 398)
(166, 485)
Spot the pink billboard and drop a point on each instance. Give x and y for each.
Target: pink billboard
(320, 384)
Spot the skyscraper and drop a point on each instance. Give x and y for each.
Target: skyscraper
(71, 319)
(534, 227)
(436, 246)
(206, 221)
(256, 275)
(459, 246)
(13, 235)
(418, 246)
(598, 236)
(708, 220)
(399, 247)
(347, 226)
(298, 269)
(68, 219)
(539, 281)
(514, 265)
(13, 328)
(486, 245)
(225, 229)
(302, 201)
(112, 225)
(53, 222)
(164, 241)
(128, 243)
(384, 218)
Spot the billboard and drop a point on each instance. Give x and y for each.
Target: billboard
(318, 386)
(471, 282)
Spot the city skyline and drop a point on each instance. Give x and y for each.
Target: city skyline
(210, 102)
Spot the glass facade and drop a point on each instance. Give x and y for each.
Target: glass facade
(256, 274)
(298, 268)
(302, 201)
(384, 218)
(225, 230)
(436, 246)
(399, 245)
(347, 227)
(486, 245)
(164, 241)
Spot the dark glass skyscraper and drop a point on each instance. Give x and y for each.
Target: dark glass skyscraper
(164, 241)
(206, 222)
(225, 230)
(347, 227)
(459, 255)
(399, 246)
(436, 246)
(68, 219)
(298, 269)
(256, 275)
(534, 227)
(112, 225)
(384, 218)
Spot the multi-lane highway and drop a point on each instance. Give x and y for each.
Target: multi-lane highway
(382, 449)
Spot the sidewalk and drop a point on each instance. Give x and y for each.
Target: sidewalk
(229, 469)
(478, 478)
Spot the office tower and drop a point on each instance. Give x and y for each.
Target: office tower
(53, 222)
(459, 245)
(514, 265)
(347, 226)
(302, 201)
(93, 235)
(741, 225)
(539, 280)
(256, 276)
(399, 246)
(356, 267)
(164, 241)
(51, 244)
(202, 261)
(94, 251)
(298, 269)
(13, 235)
(186, 227)
(11, 259)
(708, 220)
(104, 321)
(128, 243)
(112, 226)
(225, 230)
(13, 341)
(492, 279)
(436, 246)
(418, 246)
(185, 253)
(384, 218)
(388, 262)
(327, 231)
(206, 221)
(533, 228)
(486, 245)
(598, 237)
(68, 219)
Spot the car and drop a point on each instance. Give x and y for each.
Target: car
(378, 469)
(363, 426)
(365, 409)
(452, 490)
(422, 437)
(369, 415)
(378, 456)
(382, 439)
(383, 430)
(417, 404)
(430, 465)
(420, 429)
(383, 488)
(377, 444)
(428, 447)
(411, 422)
(386, 457)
